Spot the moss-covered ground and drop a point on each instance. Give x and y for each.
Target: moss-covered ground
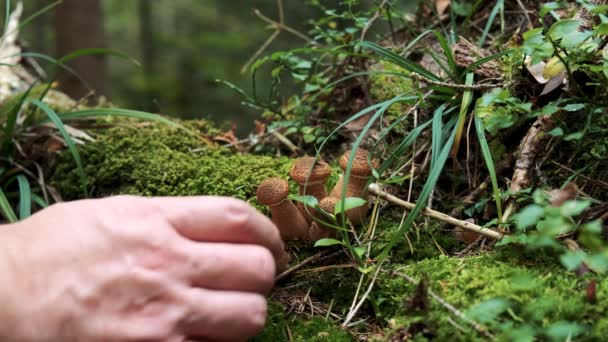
(515, 296)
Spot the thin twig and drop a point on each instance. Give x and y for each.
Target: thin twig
(307, 261)
(371, 21)
(474, 87)
(375, 190)
(525, 10)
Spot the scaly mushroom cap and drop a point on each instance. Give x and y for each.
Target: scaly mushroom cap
(303, 167)
(328, 204)
(272, 191)
(361, 167)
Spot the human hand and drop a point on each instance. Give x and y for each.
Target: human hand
(138, 269)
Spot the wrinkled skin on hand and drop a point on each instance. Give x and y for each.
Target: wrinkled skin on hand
(138, 269)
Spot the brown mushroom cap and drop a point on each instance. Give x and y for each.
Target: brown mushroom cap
(328, 204)
(303, 170)
(361, 167)
(272, 191)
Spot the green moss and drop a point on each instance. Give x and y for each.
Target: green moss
(539, 298)
(162, 161)
(281, 326)
(384, 87)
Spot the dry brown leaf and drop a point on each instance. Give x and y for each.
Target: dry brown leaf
(557, 197)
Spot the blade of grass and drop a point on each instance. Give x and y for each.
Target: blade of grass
(39, 201)
(467, 99)
(485, 60)
(423, 198)
(82, 53)
(6, 208)
(7, 15)
(437, 135)
(39, 13)
(25, 197)
(498, 7)
(394, 58)
(100, 112)
(487, 156)
(11, 120)
(68, 139)
(97, 51)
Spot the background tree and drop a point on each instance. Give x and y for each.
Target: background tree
(79, 24)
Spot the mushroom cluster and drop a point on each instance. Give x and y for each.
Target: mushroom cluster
(297, 221)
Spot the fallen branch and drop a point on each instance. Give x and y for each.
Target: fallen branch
(529, 149)
(375, 190)
(463, 87)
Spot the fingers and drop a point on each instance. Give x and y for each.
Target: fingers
(220, 219)
(223, 316)
(228, 266)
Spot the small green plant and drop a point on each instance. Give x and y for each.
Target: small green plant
(542, 225)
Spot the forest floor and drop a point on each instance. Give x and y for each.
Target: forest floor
(487, 122)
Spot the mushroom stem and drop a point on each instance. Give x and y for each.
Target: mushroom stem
(311, 175)
(356, 187)
(274, 193)
(357, 183)
(289, 220)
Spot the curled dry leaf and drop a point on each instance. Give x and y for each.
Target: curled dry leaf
(557, 197)
(551, 74)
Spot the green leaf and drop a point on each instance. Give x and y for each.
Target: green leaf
(488, 311)
(348, 204)
(525, 333)
(328, 243)
(548, 7)
(601, 30)
(359, 251)
(572, 260)
(563, 28)
(529, 216)
(565, 331)
(556, 132)
(598, 262)
(309, 201)
(574, 208)
(574, 136)
(25, 197)
(309, 138)
(574, 107)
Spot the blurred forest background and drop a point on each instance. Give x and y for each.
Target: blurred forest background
(184, 46)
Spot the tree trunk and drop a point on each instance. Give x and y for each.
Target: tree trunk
(79, 24)
(148, 51)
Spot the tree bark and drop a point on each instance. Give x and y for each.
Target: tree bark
(79, 24)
